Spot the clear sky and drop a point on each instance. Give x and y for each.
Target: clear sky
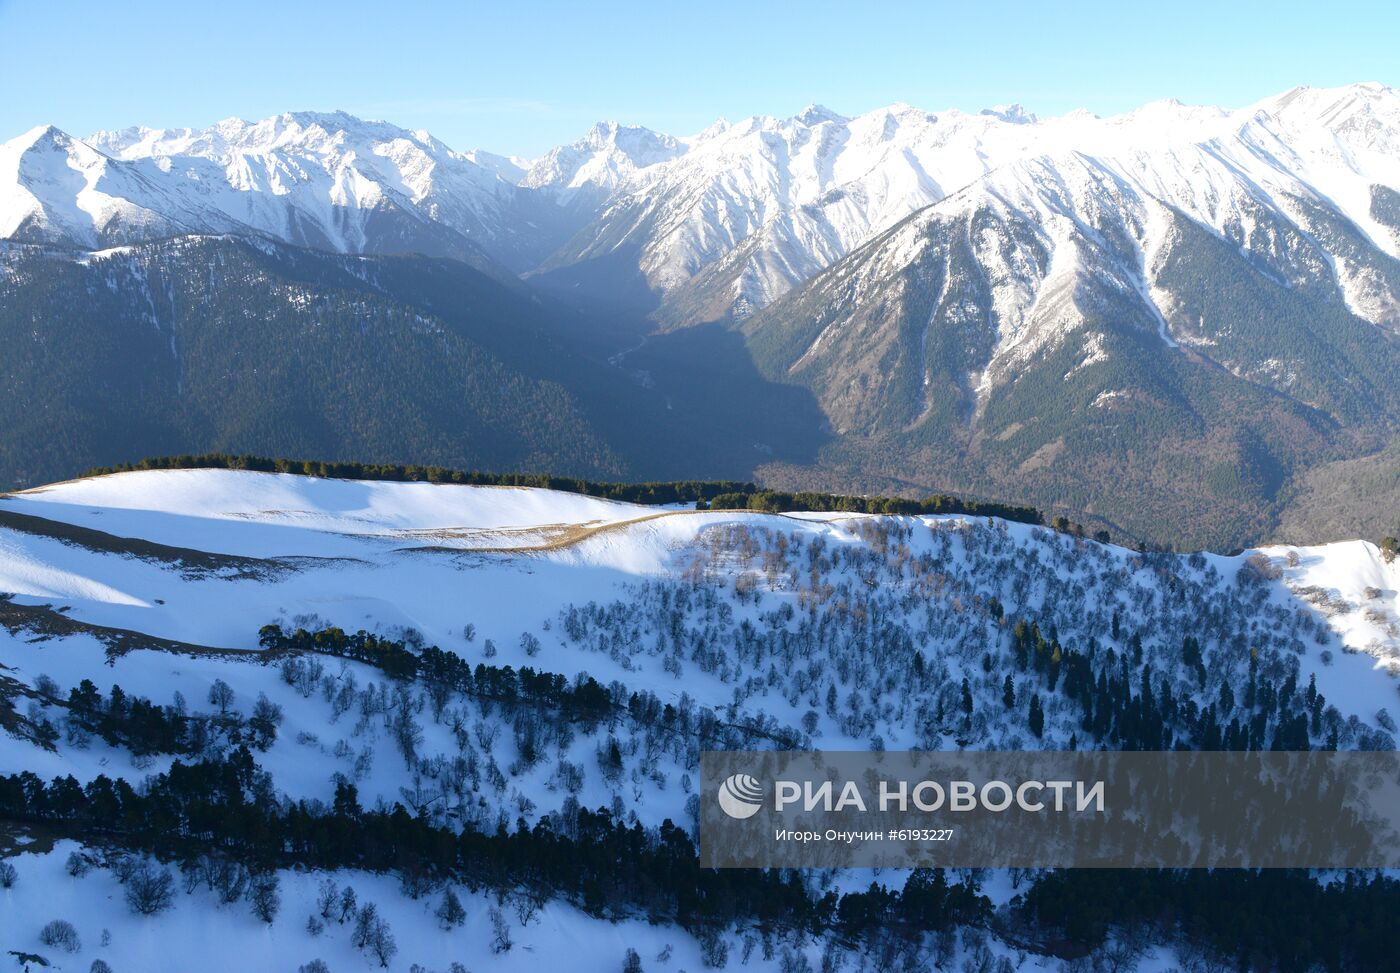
(519, 77)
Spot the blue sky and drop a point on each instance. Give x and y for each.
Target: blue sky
(521, 77)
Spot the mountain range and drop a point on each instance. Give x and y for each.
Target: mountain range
(1116, 318)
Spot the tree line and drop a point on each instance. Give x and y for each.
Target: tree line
(777, 501)
(1123, 703)
(605, 867)
(145, 728)
(1272, 919)
(1276, 920)
(585, 700)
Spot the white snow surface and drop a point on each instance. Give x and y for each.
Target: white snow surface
(289, 515)
(396, 558)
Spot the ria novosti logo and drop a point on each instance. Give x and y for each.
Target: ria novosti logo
(740, 796)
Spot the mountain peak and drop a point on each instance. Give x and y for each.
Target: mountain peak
(600, 160)
(718, 127)
(328, 120)
(301, 127)
(1015, 113)
(510, 168)
(41, 136)
(1337, 108)
(604, 131)
(625, 138)
(815, 114)
(52, 139)
(903, 108)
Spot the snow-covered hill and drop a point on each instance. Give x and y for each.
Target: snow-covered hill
(748, 629)
(206, 558)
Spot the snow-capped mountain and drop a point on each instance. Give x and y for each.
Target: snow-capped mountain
(1116, 209)
(754, 208)
(57, 189)
(720, 223)
(322, 180)
(767, 202)
(510, 169)
(338, 182)
(327, 181)
(585, 173)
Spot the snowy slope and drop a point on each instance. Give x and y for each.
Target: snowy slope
(811, 186)
(486, 572)
(742, 615)
(1147, 285)
(559, 937)
(327, 180)
(1106, 215)
(279, 514)
(390, 557)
